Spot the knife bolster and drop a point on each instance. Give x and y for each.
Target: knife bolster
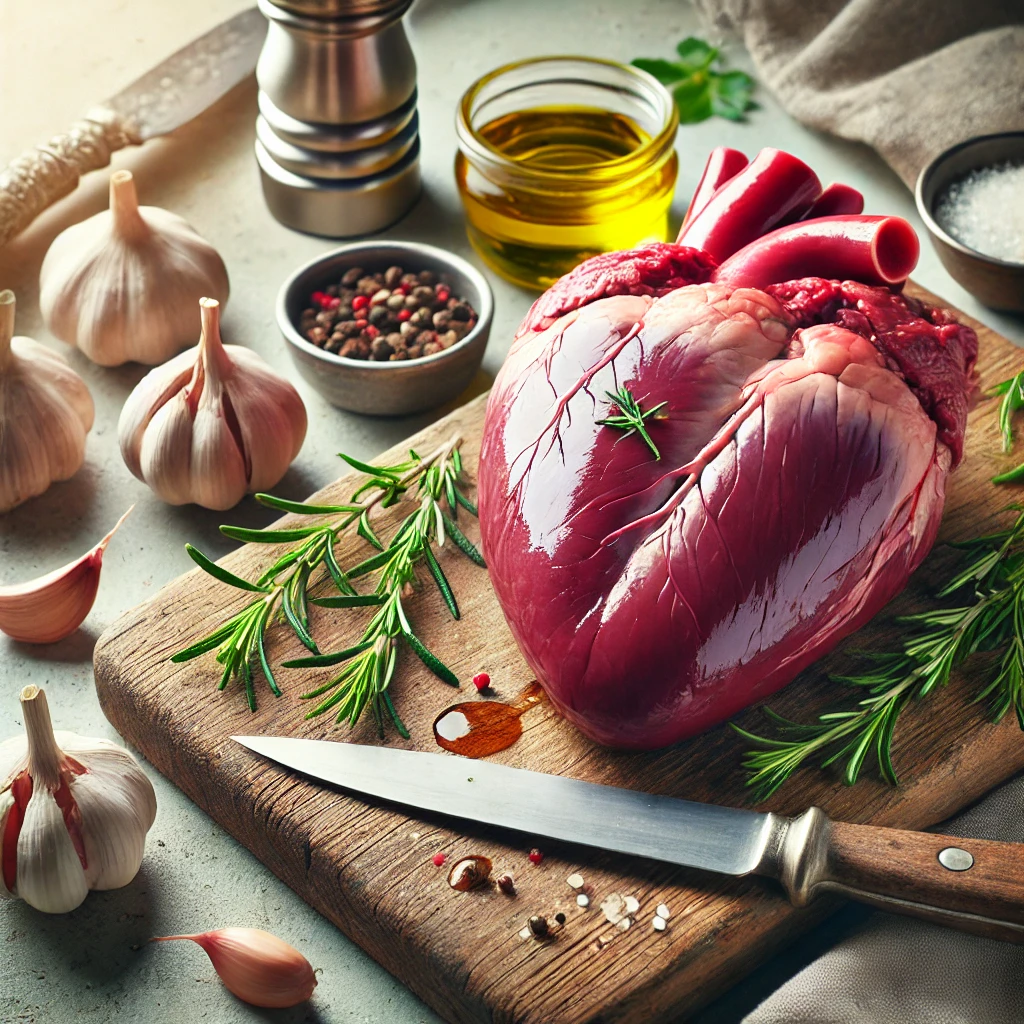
(802, 859)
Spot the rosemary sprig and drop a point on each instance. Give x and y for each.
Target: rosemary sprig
(632, 418)
(284, 587)
(939, 641)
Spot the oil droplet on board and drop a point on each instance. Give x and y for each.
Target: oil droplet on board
(477, 728)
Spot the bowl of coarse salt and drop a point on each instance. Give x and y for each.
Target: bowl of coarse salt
(971, 198)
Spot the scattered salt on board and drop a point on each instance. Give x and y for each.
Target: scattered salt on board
(985, 211)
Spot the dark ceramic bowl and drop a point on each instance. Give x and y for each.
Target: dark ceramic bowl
(997, 283)
(387, 389)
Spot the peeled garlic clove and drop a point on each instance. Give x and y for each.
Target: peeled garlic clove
(74, 813)
(52, 607)
(45, 412)
(212, 424)
(123, 285)
(254, 965)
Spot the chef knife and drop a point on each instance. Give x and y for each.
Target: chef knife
(971, 884)
(161, 100)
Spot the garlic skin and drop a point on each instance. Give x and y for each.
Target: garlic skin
(45, 413)
(123, 285)
(212, 424)
(74, 813)
(257, 967)
(51, 607)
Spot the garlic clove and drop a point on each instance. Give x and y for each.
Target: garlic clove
(45, 413)
(52, 607)
(115, 839)
(123, 284)
(271, 420)
(257, 967)
(50, 876)
(151, 394)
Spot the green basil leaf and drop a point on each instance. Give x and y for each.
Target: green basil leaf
(695, 54)
(663, 70)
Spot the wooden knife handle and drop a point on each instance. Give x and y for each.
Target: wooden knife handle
(45, 174)
(970, 884)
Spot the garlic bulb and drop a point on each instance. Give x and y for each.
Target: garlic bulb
(74, 813)
(123, 285)
(51, 607)
(45, 412)
(254, 965)
(212, 424)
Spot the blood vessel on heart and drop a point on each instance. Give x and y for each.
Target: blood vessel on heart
(813, 416)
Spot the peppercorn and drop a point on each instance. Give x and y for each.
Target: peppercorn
(381, 349)
(379, 315)
(360, 302)
(506, 885)
(350, 277)
(482, 681)
(560, 917)
(536, 856)
(392, 276)
(395, 301)
(539, 926)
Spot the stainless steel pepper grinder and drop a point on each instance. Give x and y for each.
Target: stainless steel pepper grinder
(337, 137)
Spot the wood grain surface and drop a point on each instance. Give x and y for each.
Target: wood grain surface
(368, 867)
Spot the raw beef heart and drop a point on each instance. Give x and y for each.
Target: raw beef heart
(809, 430)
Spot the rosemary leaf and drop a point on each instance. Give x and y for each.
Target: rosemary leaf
(441, 580)
(267, 536)
(208, 565)
(349, 601)
(438, 667)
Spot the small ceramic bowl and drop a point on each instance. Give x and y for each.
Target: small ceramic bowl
(997, 283)
(387, 388)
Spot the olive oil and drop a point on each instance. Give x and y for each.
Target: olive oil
(551, 186)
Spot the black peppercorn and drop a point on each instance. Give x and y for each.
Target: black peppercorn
(539, 926)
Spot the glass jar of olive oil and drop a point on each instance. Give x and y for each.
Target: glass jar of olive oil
(561, 158)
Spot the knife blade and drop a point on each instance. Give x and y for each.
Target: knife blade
(974, 885)
(164, 98)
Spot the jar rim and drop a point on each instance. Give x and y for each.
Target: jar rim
(475, 146)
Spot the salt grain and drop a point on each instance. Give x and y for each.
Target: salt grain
(583, 900)
(985, 211)
(575, 881)
(624, 924)
(660, 924)
(632, 904)
(663, 911)
(525, 933)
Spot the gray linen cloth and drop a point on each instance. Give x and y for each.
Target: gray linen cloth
(910, 78)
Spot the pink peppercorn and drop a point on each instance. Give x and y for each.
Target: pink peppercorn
(481, 681)
(332, 303)
(362, 324)
(360, 302)
(536, 856)
(404, 314)
(439, 859)
(370, 331)
(442, 293)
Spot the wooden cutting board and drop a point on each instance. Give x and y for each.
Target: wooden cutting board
(368, 867)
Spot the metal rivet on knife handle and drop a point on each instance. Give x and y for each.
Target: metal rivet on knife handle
(955, 859)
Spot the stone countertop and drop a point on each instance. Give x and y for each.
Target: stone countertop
(94, 964)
